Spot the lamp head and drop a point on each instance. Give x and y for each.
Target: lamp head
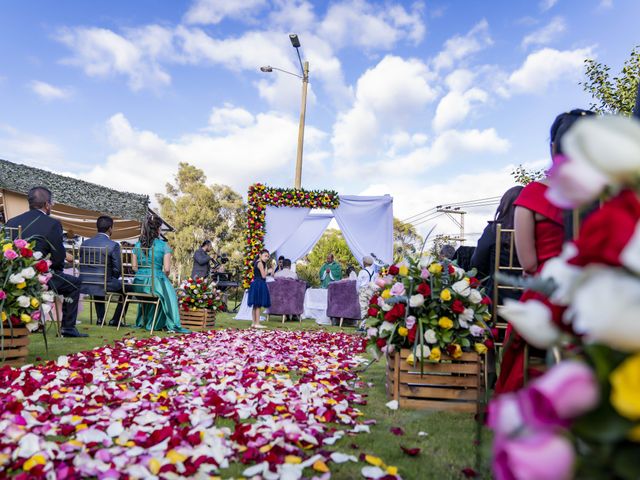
(266, 69)
(295, 41)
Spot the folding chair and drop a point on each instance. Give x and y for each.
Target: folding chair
(11, 233)
(139, 285)
(92, 265)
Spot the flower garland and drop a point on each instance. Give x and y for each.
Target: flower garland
(260, 196)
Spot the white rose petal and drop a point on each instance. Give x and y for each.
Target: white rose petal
(475, 296)
(23, 301)
(338, 457)
(28, 273)
(532, 320)
(372, 472)
(466, 317)
(16, 278)
(461, 287)
(37, 255)
(422, 352)
(392, 405)
(430, 336)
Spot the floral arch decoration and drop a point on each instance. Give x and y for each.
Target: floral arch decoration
(259, 198)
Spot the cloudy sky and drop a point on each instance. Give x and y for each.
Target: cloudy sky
(430, 101)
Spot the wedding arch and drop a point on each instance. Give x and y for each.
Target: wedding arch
(280, 219)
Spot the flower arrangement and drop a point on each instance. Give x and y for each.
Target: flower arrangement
(199, 294)
(581, 419)
(260, 196)
(434, 308)
(24, 275)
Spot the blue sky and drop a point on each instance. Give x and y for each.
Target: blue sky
(432, 102)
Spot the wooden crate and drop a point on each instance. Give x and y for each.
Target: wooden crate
(452, 385)
(16, 346)
(198, 320)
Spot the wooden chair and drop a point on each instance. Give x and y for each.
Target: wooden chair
(92, 265)
(139, 285)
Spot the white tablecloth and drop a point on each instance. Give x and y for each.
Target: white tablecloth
(244, 312)
(315, 305)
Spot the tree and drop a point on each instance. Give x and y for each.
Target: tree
(331, 241)
(198, 212)
(615, 95)
(406, 240)
(524, 176)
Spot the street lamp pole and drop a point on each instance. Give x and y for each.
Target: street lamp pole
(303, 111)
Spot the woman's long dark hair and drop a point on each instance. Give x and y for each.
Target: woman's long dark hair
(506, 208)
(562, 124)
(150, 231)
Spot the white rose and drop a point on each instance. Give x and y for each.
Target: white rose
(466, 317)
(564, 275)
(461, 287)
(23, 301)
(416, 300)
(47, 297)
(37, 255)
(532, 320)
(605, 308)
(430, 336)
(426, 260)
(385, 329)
(459, 272)
(16, 278)
(422, 351)
(385, 306)
(475, 296)
(28, 273)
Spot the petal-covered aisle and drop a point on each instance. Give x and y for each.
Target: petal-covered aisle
(184, 406)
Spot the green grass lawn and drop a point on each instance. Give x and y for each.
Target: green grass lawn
(447, 448)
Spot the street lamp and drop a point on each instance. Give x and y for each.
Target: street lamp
(304, 68)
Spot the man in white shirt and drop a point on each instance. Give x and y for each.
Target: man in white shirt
(285, 271)
(367, 274)
(366, 287)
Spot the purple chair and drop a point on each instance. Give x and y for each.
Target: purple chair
(342, 300)
(287, 297)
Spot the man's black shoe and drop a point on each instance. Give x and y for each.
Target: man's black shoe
(114, 323)
(73, 333)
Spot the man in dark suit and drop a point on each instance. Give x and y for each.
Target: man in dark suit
(38, 226)
(201, 260)
(100, 250)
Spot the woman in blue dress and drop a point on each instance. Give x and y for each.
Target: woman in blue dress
(258, 292)
(150, 254)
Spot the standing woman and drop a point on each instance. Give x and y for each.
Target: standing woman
(258, 292)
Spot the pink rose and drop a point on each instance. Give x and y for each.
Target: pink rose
(410, 322)
(36, 315)
(566, 391)
(504, 415)
(542, 455)
(398, 289)
(10, 254)
(372, 332)
(388, 348)
(380, 282)
(2, 295)
(424, 274)
(20, 243)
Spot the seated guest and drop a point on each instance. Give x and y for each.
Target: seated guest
(279, 265)
(285, 271)
(47, 233)
(330, 271)
(93, 274)
(201, 260)
(151, 254)
(351, 273)
(447, 252)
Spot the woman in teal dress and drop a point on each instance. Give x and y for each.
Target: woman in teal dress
(168, 317)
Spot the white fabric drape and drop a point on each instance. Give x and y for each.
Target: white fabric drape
(367, 225)
(305, 237)
(281, 223)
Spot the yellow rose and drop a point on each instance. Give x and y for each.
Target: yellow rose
(3, 316)
(25, 318)
(411, 359)
(445, 322)
(445, 295)
(6, 246)
(192, 287)
(435, 354)
(403, 270)
(22, 285)
(457, 352)
(35, 303)
(435, 268)
(625, 388)
(481, 348)
(386, 294)
(403, 331)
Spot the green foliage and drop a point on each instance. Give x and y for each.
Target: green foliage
(524, 176)
(331, 241)
(198, 212)
(406, 240)
(615, 95)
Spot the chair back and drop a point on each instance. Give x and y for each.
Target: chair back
(142, 281)
(287, 296)
(343, 300)
(505, 265)
(92, 264)
(11, 233)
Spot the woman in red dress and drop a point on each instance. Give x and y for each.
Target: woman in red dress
(539, 236)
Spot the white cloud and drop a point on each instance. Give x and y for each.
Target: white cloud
(248, 147)
(459, 47)
(22, 147)
(101, 53)
(293, 15)
(456, 105)
(209, 12)
(46, 91)
(547, 4)
(546, 34)
(546, 66)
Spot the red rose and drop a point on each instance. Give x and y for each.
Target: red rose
(457, 306)
(372, 312)
(396, 313)
(451, 270)
(26, 252)
(495, 332)
(374, 300)
(424, 289)
(451, 349)
(474, 282)
(489, 343)
(394, 270)
(381, 342)
(411, 336)
(485, 300)
(42, 266)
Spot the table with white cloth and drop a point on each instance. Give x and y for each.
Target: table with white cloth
(315, 305)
